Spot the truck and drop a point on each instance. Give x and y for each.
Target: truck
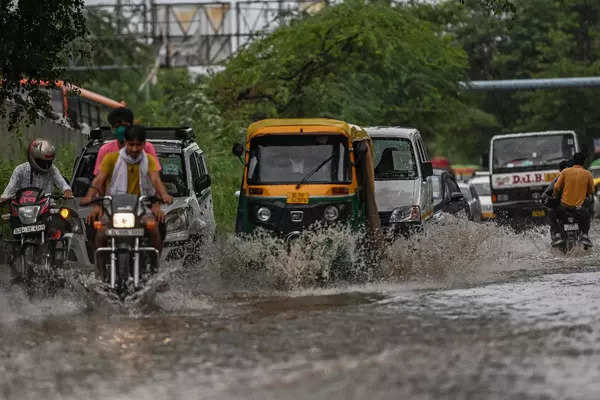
(521, 165)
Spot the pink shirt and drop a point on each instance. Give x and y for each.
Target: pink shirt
(113, 146)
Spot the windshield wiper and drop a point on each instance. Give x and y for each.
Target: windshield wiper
(314, 171)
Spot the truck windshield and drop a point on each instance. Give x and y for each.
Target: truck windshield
(394, 159)
(528, 153)
(285, 159)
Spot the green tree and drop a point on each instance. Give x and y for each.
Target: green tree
(367, 63)
(36, 38)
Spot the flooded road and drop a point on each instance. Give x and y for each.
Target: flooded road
(467, 312)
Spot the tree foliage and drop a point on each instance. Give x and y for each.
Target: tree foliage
(540, 39)
(368, 63)
(36, 38)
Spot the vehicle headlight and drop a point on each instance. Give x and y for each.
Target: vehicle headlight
(28, 214)
(406, 214)
(263, 214)
(176, 221)
(502, 197)
(331, 213)
(123, 220)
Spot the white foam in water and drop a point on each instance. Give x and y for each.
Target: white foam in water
(454, 250)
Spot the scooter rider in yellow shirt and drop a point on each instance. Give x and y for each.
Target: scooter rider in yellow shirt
(576, 184)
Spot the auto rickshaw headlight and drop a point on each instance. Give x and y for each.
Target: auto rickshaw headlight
(263, 214)
(331, 213)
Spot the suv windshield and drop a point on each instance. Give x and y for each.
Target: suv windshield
(173, 174)
(528, 153)
(394, 159)
(314, 158)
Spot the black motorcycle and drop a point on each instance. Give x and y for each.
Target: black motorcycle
(131, 258)
(570, 232)
(41, 231)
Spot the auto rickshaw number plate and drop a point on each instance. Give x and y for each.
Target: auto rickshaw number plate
(297, 198)
(29, 229)
(571, 227)
(125, 232)
(538, 213)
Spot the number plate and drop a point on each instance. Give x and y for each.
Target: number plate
(538, 213)
(125, 232)
(297, 198)
(571, 227)
(29, 229)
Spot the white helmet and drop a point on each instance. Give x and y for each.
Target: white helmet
(40, 155)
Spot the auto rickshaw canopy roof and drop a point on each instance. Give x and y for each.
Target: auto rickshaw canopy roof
(295, 126)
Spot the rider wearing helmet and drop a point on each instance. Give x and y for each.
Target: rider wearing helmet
(576, 184)
(38, 172)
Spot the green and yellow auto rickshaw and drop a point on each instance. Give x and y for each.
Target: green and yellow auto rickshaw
(302, 172)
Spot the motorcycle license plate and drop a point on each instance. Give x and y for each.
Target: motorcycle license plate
(538, 213)
(29, 229)
(571, 227)
(125, 232)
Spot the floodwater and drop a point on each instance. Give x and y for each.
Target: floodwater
(465, 311)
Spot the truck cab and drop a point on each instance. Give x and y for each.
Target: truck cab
(403, 177)
(521, 165)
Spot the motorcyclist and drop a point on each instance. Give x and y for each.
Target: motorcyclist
(576, 184)
(38, 172)
(552, 204)
(130, 170)
(119, 119)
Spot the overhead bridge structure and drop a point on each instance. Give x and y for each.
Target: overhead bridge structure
(197, 33)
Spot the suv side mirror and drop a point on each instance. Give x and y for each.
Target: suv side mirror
(427, 169)
(485, 160)
(81, 186)
(457, 196)
(201, 183)
(237, 149)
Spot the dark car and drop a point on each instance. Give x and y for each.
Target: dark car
(447, 197)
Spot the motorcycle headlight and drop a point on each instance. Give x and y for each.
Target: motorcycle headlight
(406, 214)
(331, 213)
(176, 221)
(28, 214)
(263, 214)
(123, 220)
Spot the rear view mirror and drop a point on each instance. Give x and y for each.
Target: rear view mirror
(237, 149)
(201, 183)
(427, 169)
(457, 196)
(485, 160)
(81, 186)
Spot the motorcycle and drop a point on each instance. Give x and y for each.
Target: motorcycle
(570, 233)
(132, 260)
(41, 231)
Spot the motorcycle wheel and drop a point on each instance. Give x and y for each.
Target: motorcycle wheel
(23, 263)
(123, 264)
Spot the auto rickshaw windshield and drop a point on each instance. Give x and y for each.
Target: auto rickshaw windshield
(310, 158)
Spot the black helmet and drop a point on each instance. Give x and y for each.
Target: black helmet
(40, 155)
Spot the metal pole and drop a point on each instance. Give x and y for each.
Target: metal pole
(523, 84)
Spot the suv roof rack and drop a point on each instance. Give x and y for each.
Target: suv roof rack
(185, 133)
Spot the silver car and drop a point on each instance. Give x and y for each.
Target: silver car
(472, 201)
(189, 220)
(480, 185)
